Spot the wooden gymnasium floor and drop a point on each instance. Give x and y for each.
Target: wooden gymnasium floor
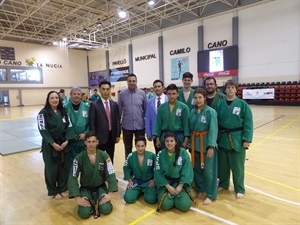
(272, 181)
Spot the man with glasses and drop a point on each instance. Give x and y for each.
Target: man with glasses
(213, 95)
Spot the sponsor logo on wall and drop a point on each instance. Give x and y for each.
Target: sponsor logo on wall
(118, 74)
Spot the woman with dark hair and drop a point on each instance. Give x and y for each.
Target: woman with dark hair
(139, 171)
(204, 131)
(173, 176)
(56, 130)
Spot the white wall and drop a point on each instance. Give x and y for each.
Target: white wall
(178, 38)
(269, 42)
(73, 71)
(146, 70)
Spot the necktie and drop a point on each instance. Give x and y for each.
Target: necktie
(158, 102)
(108, 115)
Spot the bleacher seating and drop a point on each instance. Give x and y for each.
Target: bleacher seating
(286, 92)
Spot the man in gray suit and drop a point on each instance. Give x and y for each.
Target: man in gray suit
(104, 120)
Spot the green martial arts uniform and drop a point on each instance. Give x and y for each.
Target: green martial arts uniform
(219, 96)
(206, 178)
(190, 102)
(166, 173)
(235, 126)
(92, 181)
(95, 97)
(55, 128)
(80, 124)
(176, 121)
(141, 177)
(64, 100)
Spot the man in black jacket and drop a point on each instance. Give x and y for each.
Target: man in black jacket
(104, 120)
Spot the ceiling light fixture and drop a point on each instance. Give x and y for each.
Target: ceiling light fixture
(55, 43)
(151, 2)
(65, 39)
(1, 2)
(122, 13)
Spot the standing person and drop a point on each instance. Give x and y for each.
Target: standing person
(95, 170)
(151, 112)
(62, 96)
(78, 112)
(213, 95)
(179, 64)
(150, 94)
(84, 99)
(132, 108)
(235, 135)
(173, 176)
(56, 130)
(104, 120)
(95, 96)
(139, 172)
(204, 132)
(186, 94)
(172, 116)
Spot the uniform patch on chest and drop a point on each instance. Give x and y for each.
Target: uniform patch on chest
(203, 119)
(84, 113)
(178, 112)
(236, 110)
(179, 161)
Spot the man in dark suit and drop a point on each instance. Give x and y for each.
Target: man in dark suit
(107, 128)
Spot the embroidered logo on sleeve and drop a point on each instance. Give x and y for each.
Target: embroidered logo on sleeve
(236, 110)
(179, 161)
(101, 166)
(41, 122)
(203, 119)
(157, 167)
(178, 112)
(75, 167)
(110, 167)
(149, 162)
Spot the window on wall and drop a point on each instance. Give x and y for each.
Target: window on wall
(21, 75)
(3, 75)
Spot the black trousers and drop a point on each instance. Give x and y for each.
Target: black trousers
(128, 138)
(109, 146)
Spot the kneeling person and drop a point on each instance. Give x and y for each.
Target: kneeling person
(139, 171)
(95, 168)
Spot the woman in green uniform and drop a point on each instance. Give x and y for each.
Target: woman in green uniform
(56, 130)
(204, 131)
(139, 171)
(173, 176)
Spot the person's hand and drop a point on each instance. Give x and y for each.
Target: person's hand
(130, 184)
(171, 189)
(82, 201)
(81, 137)
(57, 147)
(117, 139)
(184, 144)
(246, 144)
(151, 183)
(158, 144)
(210, 152)
(149, 138)
(63, 145)
(105, 198)
(178, 188)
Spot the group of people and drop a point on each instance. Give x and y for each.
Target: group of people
(79, 139)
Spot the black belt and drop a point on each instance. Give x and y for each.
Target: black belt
(223, 130)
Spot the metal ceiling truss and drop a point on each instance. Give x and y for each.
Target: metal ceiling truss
(45, 21)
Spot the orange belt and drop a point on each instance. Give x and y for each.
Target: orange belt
(201, 135)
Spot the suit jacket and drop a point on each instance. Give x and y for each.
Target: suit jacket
(151, 113)
(98, 120)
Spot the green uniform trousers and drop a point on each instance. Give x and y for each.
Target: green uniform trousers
(85, 212)
(206, 179)
(150, 194)
(181, 201)
(234, 161)
(56, 172)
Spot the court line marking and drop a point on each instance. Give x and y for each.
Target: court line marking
(192, 208)
(271, 135)
(269, 122)
(273, 196)
(274, 182)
